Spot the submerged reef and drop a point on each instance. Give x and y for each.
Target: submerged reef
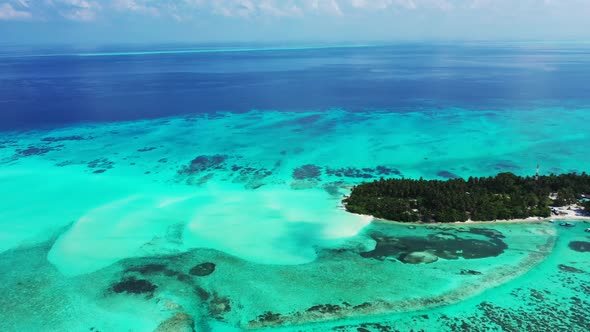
(538, 310)
(34, 151)
(363, 173)
(419, 257)
(100, 165)
(570, 269)
(45, 146)
(351, 172)
(203, 269)
(447, 175)
(581, 246)
(416, 250)
(308, 176)
(204, 168)
(218, 306)
(251, 176)
(180, 322)
(203, 163)
(148, 269)
(132, 285)
(64, 138)
(147, 149)
(507, 166)
(306, 172)
(167, 271)
(175, 284)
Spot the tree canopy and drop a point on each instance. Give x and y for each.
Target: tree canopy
(504, 196)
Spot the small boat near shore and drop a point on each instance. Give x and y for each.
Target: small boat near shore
(567, 224)
(587, 230)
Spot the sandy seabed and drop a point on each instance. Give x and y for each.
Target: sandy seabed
(107, 226)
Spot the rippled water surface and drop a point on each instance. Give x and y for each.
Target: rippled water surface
(146, 190)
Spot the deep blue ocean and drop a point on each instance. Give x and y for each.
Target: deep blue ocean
(56, 86)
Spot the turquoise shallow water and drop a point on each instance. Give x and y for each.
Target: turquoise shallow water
(88, 207)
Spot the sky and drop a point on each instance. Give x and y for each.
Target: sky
(226, 21)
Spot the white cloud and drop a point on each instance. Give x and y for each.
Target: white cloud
(76, 10)
(138, 7)
(371, 4)
(275, 8)
(7, 12)
(331, 7)
(81, 15)
(185, 10)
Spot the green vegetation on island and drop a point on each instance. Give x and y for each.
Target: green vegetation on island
(504, 196)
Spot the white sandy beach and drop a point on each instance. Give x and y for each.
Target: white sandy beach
(572, 213)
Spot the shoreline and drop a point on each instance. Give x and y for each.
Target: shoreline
(581, 219)
(569, 217)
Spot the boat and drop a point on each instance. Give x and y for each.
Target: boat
(587, 230)
(566, 224)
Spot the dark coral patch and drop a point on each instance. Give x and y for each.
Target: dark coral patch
(170, 273)
(548, 315)
(184, 278)
(148, 268)
(443, 245)
(34, 151)
(202, 164)
(202, 294)
(64, 163)
(580, 246)
(199, 181)
(301, 121)
(488, 232)
(63, 138)
(218, 306)
(307, 172)
(252, 177)
(447, 175)
(333, 188)
(102, 163)
(325, 308)
(203, 269)
(151, 148)
(270, 318)
(351, 172)
(132, 285)
(570, 269)
(363, 173)
(382, 170)
(505, 166)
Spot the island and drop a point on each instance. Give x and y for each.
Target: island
(505, 196)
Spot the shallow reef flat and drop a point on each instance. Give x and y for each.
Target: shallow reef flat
(366, 276)
(307, 149)
(232, 221)
(552, 296)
